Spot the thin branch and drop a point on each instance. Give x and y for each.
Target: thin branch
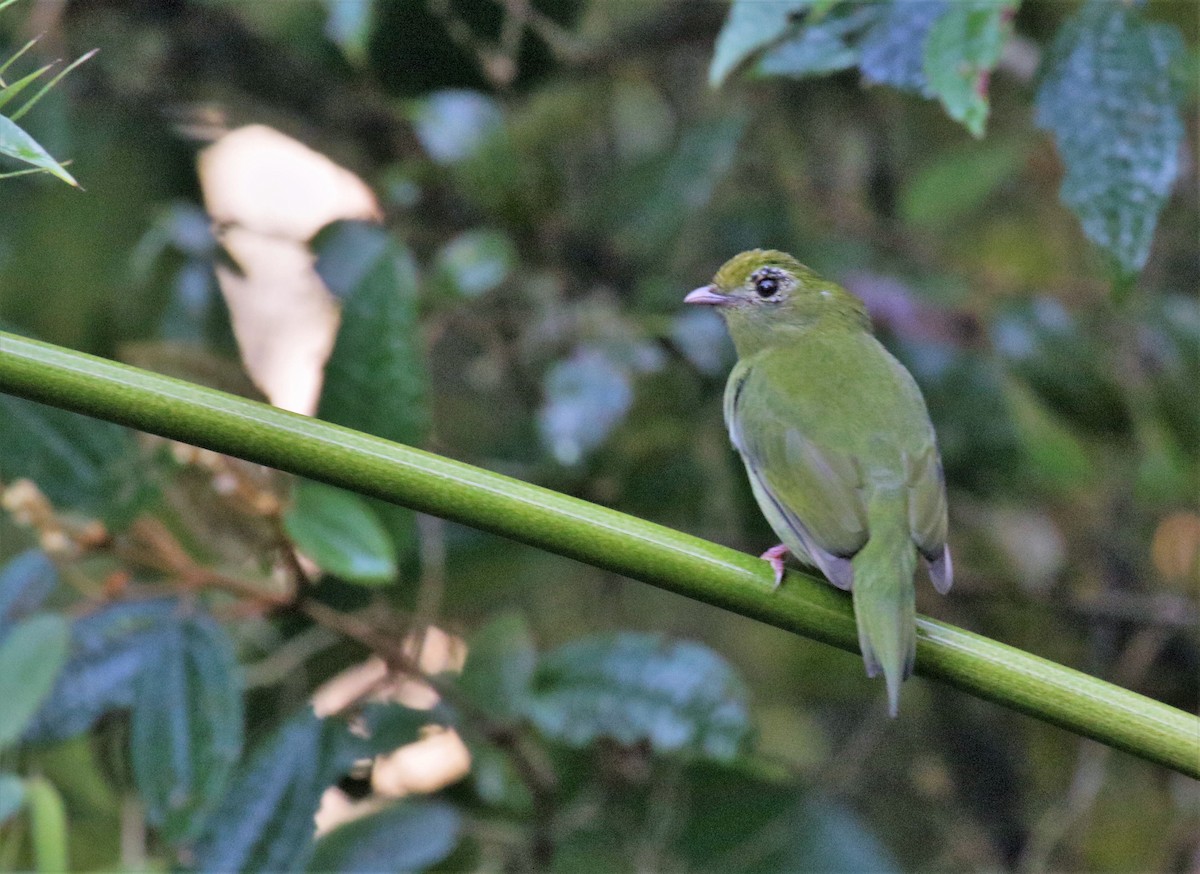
(577, 529)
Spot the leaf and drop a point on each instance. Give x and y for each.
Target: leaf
(340, 532)
(455, 124)
(1107, 96)
(749, 28)
(475, 262)
(390, 726)
(501, 660)
(962, 49)
(893, 50)
(265, 822)
(186, 731)
(79, 463)
(25, 582)
(31, 656)
(17, 144)
(409, 836)
(348, 25)
(783, 827)
(586, 397)
(375, 379)
(824, 46)
(956, 183)
(109, 650)
(12, 796)
(633, 688)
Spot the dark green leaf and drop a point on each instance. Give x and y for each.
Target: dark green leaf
(186, 732)
(265, 821)
(501, 660)
(1108, 98)
(79, 463)
(409, 836)
(893, 50)
(962, 49)
(340, 532)
(375, 379)
(749, 28)
(17, 144)
(737, 822)
(109, 650)
(12, 796)
(25, 582)
(633, 688)
(32, 654)
(390, 726)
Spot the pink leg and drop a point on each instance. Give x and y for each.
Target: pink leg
(774, 557)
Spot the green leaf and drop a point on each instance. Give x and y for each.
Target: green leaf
(634, 688)
(186, 732)
(821, 47)
(31, 656)
(750, 27)
(47, 826)
(265, 821)
(12, 796)
(109, 650)
(340, 532)
(961, 51)
(954, 184)
(348, 25)
(25, 582)
(788, 829)
(375, 378)
(15, 143)
(501, 660)
(390, 726)
(409, 836)
(893, 50)
(1108, 97)
(79, 463)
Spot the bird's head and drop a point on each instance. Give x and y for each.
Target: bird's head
(762, 292)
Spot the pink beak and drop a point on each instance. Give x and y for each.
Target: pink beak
(706, 295)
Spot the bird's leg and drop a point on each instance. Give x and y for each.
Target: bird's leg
(774, 557)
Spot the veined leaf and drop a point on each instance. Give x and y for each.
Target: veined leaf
(265, 822)
(893, 50)
(1108, 97)
(186, 732)
(674, 695)
(109, 650)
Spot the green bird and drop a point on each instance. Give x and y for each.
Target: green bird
(838, 445)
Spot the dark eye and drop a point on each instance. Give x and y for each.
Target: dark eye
(766, 286)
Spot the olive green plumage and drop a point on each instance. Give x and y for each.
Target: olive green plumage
(837, 443)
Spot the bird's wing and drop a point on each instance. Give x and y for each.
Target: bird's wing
(927, 512)
(814, 490)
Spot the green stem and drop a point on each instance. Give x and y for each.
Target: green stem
(605, 538)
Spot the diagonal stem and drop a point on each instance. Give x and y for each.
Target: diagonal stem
(587, 532)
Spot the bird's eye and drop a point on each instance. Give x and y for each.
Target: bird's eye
(766, 286)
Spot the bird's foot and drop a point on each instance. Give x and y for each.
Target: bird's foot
(774, 557)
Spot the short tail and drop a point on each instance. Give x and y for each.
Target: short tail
(884, 598)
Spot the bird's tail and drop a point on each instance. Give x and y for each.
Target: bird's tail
(884, 598)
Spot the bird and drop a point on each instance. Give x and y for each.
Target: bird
(838, 446)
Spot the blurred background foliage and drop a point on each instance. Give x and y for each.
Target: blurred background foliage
(544, 181)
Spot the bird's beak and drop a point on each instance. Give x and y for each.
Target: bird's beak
(707, 295)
